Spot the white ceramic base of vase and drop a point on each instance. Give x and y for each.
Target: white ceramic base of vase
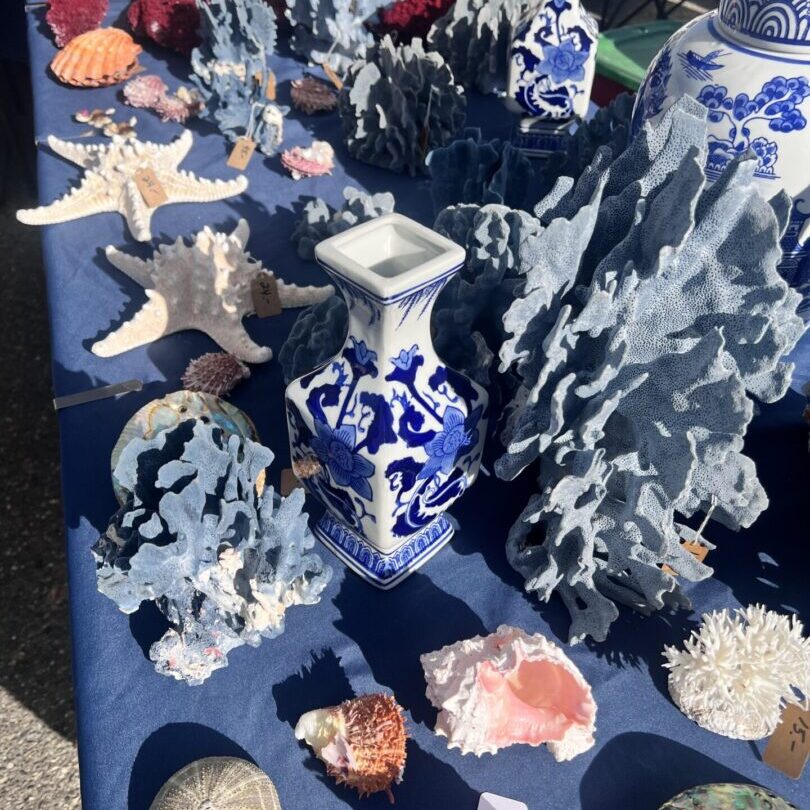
(384, 571)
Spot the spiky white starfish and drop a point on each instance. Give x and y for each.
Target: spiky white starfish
(205, 286)
(109, 184)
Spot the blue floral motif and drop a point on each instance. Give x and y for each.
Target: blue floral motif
(406, 364)
(404, 360)
(445, 447)
(548, 60)
(653, 92)
(776, 104)
(336, 449)
(362, 358)
(563, 62)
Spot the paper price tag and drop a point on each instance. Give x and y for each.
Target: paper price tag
(288, 482)
(789, 746)
(150, 187)
(241, 153)
(695, 549)
(264, 289)
(270, 90)
(332, 76)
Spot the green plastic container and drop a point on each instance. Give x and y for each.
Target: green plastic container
(624, 54)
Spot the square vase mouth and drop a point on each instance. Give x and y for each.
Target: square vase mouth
(389, 255)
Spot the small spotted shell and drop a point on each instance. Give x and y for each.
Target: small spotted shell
(218, 783)
(97, 58)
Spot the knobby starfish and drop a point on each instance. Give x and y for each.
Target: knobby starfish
(109, 182)
(204, 286)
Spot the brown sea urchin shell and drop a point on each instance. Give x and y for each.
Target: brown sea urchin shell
(97, 58)
(310, 95)
(362, 742)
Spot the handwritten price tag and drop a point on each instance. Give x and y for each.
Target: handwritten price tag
(264, 289)
(270, 90)
(151, 190)
(241, 153)
(789, 746)
(288, 482)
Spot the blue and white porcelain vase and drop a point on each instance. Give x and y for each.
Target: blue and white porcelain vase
(398, 435)
(749, 64)
(552, 61)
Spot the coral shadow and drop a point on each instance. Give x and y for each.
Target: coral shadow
(654, 769)
(393, 628)
(169, 749)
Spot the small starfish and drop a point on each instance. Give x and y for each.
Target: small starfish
(205, 286)
(109, 184)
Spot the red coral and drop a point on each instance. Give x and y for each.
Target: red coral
(407, 19)
(69, 18)
(171, 23)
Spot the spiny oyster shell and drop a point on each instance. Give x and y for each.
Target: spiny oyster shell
(362, 742)
(216, 373)
(737, 672)
(507, 688)
(218, 783)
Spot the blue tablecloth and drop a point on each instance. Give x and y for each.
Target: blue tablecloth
(135, 728)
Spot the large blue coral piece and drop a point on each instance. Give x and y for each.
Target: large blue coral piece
(231, 72)
(331, 32)
(221, 555)
(398, 104)
(651, 319)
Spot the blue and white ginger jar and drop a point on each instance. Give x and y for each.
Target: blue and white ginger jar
(749, 64)
(398, 434)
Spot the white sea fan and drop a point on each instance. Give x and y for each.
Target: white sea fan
(738, 671)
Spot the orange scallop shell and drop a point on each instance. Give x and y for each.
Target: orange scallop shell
(97, 58)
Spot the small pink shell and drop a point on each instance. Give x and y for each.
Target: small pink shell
(313, 161)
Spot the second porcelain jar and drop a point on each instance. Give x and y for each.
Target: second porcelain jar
(748, 63)
(396, 433)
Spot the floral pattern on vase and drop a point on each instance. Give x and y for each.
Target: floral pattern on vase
(756, 99)
(398, 434)
(552, 60)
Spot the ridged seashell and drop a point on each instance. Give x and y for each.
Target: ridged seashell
(215, 373)
(167, 412)
(313, 161)
(362, 742)
(218, 783)
(310, 95)
(508, 688)
(727, 796)
(97, 58)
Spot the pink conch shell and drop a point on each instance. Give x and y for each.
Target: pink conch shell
(507, 688)
(310, 162)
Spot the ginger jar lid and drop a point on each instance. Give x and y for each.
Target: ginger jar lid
(778, 25)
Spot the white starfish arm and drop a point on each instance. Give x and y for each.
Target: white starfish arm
(187, 187)
(136, 212)
(241, 233)
(84, 155)
(148, 324)
(175, 152)
(231, 335)
(137, 269)
(91, 197)
(291, 295)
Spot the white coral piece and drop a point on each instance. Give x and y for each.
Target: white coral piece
(737, 672)
(507, 688)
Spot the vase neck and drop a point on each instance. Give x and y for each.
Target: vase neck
(772, 25)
